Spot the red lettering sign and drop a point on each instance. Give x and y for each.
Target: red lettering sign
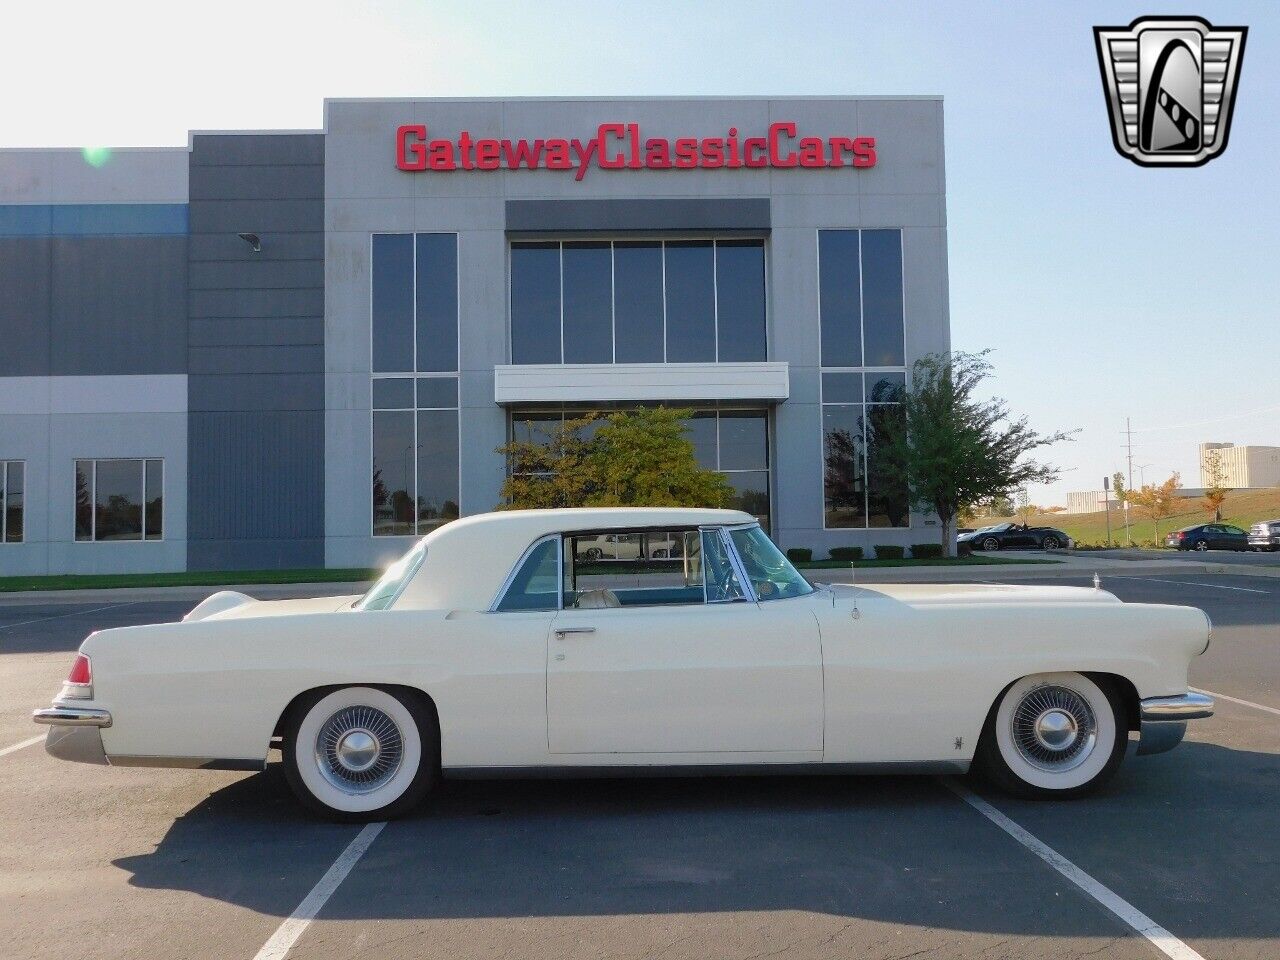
(619, 146)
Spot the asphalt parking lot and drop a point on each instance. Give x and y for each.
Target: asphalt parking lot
(105, 863)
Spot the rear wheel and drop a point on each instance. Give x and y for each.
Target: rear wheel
(1202, 545)
(1053, 735)
(361, 754)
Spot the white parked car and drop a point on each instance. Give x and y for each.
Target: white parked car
(482, 652)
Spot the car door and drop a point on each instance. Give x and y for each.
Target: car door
(1234, 538)
(686, 683)
(1215, 536)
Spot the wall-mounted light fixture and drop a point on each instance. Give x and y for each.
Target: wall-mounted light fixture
(253, 240)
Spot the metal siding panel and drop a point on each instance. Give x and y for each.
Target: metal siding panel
(25, 310)
(620, 215)
(256, 391)
(272, 359)
(256, 274)
(218, 247)
(255, 216)
(253, 149)
(266, 182)
(118, 305)
(255, 331)
(234, 302)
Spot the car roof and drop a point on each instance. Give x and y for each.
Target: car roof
(468, 559)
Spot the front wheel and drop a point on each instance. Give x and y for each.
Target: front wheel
(361, 754)
(1201, 546)
(1050, 543)
(990, 543)
(1053, 736)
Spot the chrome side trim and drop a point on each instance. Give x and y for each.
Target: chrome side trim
(785, 769)
(71, 717)
(1185, 706)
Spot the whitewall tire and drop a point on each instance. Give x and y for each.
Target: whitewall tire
(360, 753)
(1054, 735)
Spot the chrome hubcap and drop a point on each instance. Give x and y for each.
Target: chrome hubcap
(1054, 728)
(359, 749)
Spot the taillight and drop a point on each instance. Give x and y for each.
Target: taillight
(79, 682)
(1181, 535)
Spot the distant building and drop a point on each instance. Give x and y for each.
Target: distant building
(1089, 501)
(1240, 466)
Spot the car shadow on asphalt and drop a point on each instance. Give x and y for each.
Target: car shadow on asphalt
(1186, 835)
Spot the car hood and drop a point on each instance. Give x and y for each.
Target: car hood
(229, 605)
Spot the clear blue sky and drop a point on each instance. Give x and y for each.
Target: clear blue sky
(1106, 289)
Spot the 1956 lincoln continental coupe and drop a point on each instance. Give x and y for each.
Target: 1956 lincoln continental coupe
(496, 647)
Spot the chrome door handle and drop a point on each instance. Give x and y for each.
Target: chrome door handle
(562, 632)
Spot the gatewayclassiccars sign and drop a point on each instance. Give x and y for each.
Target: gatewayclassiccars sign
(619, 146)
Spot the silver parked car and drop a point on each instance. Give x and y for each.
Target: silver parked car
(1265, 535)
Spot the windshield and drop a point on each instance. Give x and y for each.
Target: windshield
(768, 569)
(387, 588)
(994, 529)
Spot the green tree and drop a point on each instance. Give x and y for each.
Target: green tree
(640, 458)
(957, 449)
(1216, 489)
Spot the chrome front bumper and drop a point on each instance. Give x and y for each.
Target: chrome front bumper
(1164, 720)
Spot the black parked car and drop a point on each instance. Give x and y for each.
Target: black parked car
(1015, 536)
(1208, 536)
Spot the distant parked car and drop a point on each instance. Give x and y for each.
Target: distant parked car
(1265, 535)
(1208, 536)
(1015, 536)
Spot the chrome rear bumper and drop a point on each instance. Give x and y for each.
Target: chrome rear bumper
(62, 716)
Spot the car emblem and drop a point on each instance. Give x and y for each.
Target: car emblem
(1170, 84)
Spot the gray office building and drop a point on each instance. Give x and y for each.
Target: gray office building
(303, 348)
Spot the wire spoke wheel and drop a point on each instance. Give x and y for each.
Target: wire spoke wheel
(1054, 728)
(359, 749)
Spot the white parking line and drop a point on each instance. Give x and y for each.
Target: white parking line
(1192, 583)
(287, 933)
(18, 746)
(77, 613)
(1163, 940)
(1245, 703)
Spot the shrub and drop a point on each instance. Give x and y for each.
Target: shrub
(799, 554)
(846, 553)
(964, 549)
(923, 551)
(886, 551)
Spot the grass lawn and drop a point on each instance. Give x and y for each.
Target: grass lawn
(1241, 508)
(197, 578)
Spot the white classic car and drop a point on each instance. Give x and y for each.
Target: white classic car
(484, 652)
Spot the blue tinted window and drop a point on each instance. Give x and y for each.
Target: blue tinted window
(393, 393)
(437, 326)
(588, 303)
(882, 297)
(536, 585)
(886, 387)
(702, 434)
(886, 482)
(535, 303)
(637, 278)
(393, 466)
(392, 302)
(744, 440)
(437, 497)
(844, 467)
(691, 301)
(840, 298)
(842, 388)
(437, 392)
(740, 299)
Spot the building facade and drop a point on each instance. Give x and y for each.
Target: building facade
(1227, 465)
(303, 348)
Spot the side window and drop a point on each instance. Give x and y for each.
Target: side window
(633, 569)
(722, 580)
(536, 584)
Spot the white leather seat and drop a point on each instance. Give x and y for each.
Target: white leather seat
(597, 600)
